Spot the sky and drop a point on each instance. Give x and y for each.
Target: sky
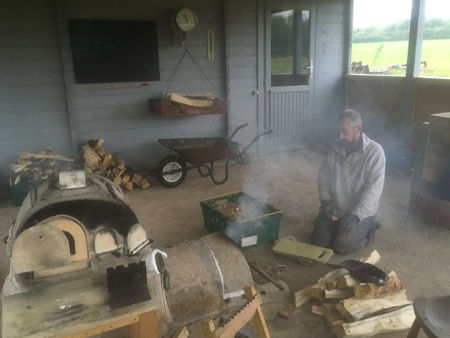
(368, 13)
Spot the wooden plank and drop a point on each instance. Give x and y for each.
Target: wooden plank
(360, 308)
(148, 325)
(115, 324)
(398, 320)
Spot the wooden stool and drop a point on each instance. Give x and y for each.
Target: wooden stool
(432, 316)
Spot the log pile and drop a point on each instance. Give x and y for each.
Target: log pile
(35, 167)
(354, 309)
(111, 166)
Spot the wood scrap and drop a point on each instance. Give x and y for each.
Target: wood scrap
(111, 166)
(287, 311)
(398, 320)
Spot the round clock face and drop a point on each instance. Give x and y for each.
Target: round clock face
(186, 19)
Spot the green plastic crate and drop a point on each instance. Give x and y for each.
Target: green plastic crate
(20, 190)
(262, 227)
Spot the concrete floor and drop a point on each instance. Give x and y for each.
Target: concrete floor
(418, 253)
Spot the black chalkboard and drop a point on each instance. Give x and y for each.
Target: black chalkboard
(114, 51)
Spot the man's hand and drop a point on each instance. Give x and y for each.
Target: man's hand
(346, 223)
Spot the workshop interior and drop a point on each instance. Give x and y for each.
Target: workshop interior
(225, 168)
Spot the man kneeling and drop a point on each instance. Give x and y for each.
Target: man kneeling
(350, 184)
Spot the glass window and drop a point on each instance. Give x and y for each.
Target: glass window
(435, 60)
(380, 37)
(290, 47)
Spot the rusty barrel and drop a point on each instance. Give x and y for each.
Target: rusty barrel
(207, 276)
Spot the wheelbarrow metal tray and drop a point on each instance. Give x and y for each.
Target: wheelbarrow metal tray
(199, 151)
(261, 228)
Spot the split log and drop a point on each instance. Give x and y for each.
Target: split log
(129, 186)
(137, 179)
(332, 315)
(117, 180)
(125, 179)
(360, 308)
(397, 320)
(92, 159)
(96, 144)
(373, 258)
(339, 293)
(346, 281)
(118, 161)
(107, 160)
(305, 295)
(319, 310)
(145, 185)
(370, 290)
(101, 152)
(287, 311)
(118, 172)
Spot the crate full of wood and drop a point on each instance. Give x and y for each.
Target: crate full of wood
(245, 220)
(31, 169)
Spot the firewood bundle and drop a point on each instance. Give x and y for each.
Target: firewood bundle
(111, 166)
(33, 167)
(354, 309)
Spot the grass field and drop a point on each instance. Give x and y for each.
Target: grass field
(435, 52)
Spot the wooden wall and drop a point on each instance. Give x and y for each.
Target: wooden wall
(38, 93)
(122, 116)
(241, 64)
(32, 98)
(329, 89)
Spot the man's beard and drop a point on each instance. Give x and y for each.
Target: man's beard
(349, 146)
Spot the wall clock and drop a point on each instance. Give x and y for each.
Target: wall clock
(186, 19)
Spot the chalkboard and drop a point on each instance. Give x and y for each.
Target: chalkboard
(114, 51)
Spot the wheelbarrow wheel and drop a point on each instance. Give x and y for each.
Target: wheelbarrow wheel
(171, 171)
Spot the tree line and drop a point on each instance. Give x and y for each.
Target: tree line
(435, 28)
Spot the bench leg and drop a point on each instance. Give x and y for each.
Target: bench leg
(147, 327)
(415, 328)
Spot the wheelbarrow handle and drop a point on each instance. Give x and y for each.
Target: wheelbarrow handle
(256, 138)
(236, 130)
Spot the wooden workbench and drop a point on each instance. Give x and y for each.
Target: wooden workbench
(74, 309)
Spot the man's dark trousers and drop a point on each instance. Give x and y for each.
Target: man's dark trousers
(343, 240)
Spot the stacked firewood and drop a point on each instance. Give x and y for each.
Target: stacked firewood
(111, 166)
(33, 167)
(354, 309)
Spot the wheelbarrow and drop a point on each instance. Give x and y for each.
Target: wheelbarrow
(199, 153)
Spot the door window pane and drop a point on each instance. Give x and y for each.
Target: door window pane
(290, 47)
(435, 59)
(380, 36)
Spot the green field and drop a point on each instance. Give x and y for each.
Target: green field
(435, 52)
